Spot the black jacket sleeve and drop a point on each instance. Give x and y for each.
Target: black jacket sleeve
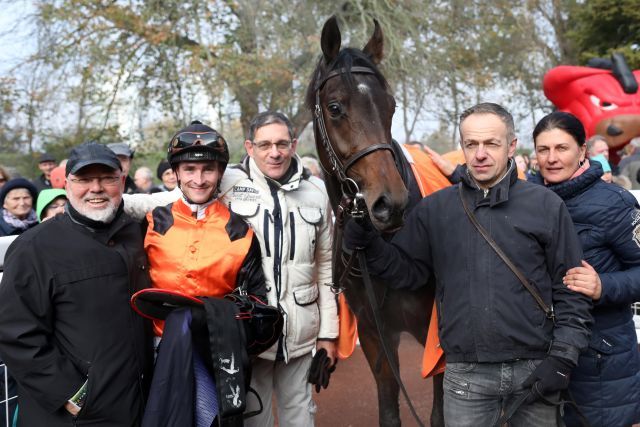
(251, 276)
(405, 261)
(27, 342)
(572, 309)
(457, 174)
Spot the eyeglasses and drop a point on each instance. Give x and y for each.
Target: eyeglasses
(187, 139)
(107, 181)
(268, 145)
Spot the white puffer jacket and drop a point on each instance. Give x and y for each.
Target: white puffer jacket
(296, 250)
(296, 247)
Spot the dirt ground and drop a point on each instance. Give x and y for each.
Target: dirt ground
(351, 399)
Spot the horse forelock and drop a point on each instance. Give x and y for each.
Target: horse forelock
(347, 58)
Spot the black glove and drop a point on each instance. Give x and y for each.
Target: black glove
(357, 234)
(550, 376)
(320, 370)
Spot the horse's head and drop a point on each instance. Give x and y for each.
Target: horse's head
(352, 123)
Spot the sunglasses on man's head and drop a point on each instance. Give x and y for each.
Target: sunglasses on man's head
(188, 139)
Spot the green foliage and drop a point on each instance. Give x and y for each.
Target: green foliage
(600, 27)
(137, 71)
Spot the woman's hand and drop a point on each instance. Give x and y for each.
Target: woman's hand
(584, 280)
(445, 166)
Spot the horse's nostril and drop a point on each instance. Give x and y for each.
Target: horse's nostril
(382, 209)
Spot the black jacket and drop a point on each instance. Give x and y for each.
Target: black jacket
(41, 183)
(66, 317)
(485, 313)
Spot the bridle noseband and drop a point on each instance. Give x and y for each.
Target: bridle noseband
(339, 167)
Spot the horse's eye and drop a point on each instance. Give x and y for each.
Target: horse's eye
(334, 109)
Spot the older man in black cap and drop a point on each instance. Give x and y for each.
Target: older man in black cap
(67, 332)
(46, 164)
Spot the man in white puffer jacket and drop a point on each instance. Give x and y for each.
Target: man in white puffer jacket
(289, 212)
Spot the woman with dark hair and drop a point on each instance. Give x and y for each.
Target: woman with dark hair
(606, 382)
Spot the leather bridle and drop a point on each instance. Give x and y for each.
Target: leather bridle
(341, 166)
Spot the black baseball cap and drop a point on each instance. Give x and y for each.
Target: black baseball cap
(91, 153)
(46, 157)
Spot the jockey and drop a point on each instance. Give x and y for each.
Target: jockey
(196, 245)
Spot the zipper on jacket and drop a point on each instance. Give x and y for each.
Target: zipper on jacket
(278, 234)
(292, 238)
(266, 232)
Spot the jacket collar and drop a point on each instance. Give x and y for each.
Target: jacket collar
(255, 174)
(100, 230)
(573, 187)
(497, 194)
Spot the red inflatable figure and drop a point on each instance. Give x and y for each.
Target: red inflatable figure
(603, 95)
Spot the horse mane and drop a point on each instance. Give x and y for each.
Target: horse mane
(347, 58)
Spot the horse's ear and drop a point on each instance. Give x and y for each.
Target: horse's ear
(331, 39)
(375, 45)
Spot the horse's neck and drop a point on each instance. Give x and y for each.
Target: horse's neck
(406, 173)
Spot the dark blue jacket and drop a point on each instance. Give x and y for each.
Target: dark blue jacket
(606, 383)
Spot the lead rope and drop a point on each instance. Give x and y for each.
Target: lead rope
(358, 213)
(379, 326)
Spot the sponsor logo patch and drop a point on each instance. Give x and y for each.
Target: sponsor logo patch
(239, 189)
(636, 235)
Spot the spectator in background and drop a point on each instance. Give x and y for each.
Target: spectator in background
(167, 176)
(606, 381)
(51, 202)
(622, 181)
(606, 167)
(46, 164)
(143, 178)
(17, 197)
(533, 166)
(313, 166)
(4, 176)
(57, 177)
(597, 144)
(125, 155)
(629, 166)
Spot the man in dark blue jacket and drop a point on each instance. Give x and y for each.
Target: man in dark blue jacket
(504, 354)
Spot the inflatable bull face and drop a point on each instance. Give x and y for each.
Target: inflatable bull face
(605, 99)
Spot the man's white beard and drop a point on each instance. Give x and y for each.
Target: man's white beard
(105, 215)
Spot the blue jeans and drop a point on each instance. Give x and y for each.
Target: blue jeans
(475, 394)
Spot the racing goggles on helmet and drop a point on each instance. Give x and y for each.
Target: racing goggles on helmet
(191, 139)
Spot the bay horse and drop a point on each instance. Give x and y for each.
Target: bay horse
(352, 127)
